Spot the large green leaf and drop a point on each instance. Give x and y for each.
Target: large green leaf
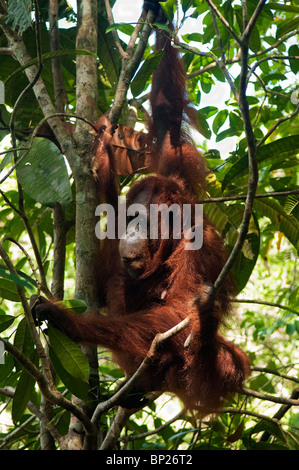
(43, 174)
(108, 54)
(168, 8)
(283, 7)
(227, 218)
(274, 153)
(69, 354)
(73, 384)
(245, 263)
(294, 63)
(24, 391)
(20, 279)
(286, 223)
(287, 26)
(138, 85)
(8, 290)
(6, 321)
(23, 340)
(77, 306)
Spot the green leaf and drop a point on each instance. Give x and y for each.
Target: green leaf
(254, 40)
(8, 290)
(6, 321)
(23, 340)
(5, 116)
(69, 354)
(287, 26)
(203, 125)
(74, 385)
(282, 7)
(168, 9)
(219, 120)
(294, 64)
(287, 224)
(244, 265)
(19, 14)
(24, 391)
(43, 174)
(123, 27)
(150, 64)
(108, 54)
(195, 37)
(186, 4)
(21, 280)
(269, 426)
(6, 369)
(76, 305)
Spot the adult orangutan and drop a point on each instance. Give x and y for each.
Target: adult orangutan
(152, 284)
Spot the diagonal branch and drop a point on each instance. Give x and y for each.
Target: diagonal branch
(118, 45)
(224, 21)
(127, 387)
(253, 19)
(130, 63)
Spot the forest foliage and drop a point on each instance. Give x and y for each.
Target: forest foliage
(38, 185)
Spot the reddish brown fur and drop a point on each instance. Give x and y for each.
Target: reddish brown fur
(174, 278)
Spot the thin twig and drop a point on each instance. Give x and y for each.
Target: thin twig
(134, 35)
(280, 121)
(12, 240)
(221, 62)
(270, 57)
(129, 67)
(234, 59)
(110, 18)
(243, 197)
(155, 431)
(263, 302)
(264, 396)
(116, 427)
(266, 370)
(5, 51)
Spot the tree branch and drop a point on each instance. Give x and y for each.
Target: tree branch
(224, 21)
(20, 53)
(253, 20)
(39, 347)
(59, 89)
(252, 164)
(262, 302)
(243, 197)
(116, 427)
(110, 18)
(130, 63)
(280, 414)
(264, 396)
(266, 370)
